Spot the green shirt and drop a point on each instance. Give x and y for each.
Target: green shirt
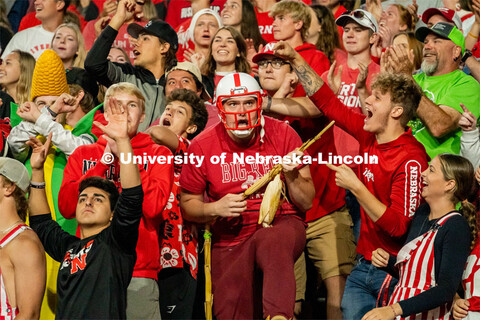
(450, 90)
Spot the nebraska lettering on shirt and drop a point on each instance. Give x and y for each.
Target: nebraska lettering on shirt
(78, 261)
(38, 48)
(412, 187)
(111, 173)
(368, 174)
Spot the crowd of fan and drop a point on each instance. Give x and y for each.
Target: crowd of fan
(85, 82)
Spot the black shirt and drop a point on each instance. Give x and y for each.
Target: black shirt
(94, 272)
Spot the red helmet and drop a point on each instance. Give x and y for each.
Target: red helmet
(239, 85)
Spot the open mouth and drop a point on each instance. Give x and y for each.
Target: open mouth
(242, 123)
(369, 113)
(166, 122)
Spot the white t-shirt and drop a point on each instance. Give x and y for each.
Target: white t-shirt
(33, 40)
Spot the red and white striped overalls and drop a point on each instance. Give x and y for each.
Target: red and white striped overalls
(416, 263)
(6, 311)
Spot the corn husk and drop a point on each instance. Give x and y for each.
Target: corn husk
(271, 201)
(207, 246)
(278, 168)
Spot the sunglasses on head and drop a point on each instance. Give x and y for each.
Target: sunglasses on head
(359, 15)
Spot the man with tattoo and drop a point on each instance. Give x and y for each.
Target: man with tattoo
(388, 191)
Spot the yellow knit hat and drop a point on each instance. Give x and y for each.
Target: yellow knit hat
(49, 78)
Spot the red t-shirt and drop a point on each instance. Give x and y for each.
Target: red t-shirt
(30, 20)
(180, 10)
(122, 40)
(235, 177)
(395, 180)
(265, 25)
(348, 95)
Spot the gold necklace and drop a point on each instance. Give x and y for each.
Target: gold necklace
(11, 227)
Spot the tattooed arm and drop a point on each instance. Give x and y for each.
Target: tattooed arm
(309, 79)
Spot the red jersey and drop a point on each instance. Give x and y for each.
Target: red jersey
(156, 184)
(471, 280)
(180, 10)
(395, 180)
(177, 243)
(348, 95)
(233, 176)
(265, 25)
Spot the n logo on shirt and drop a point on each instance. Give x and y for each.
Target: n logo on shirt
(78, 261)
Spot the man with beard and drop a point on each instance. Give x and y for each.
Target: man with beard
(444, 87)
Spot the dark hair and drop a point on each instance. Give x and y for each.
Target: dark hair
(20, 197)
(199, 112)
(170, 57)
(241, 62)
(249, 25)
(403, 91)
(87, 101)
(459, 169)
(329, 40)
(102, 184)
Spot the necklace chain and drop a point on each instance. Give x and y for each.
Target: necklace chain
(11, 227)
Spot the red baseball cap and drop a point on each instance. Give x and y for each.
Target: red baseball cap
(449, 14)
(266, 51)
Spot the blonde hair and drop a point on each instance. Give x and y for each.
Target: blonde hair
(81, 54)
(149, 11)
(127, 88)
(24, 83)
(297, 10)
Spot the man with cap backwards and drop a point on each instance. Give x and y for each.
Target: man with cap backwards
(22, 259)
(240, 245)
(154, 52)
(330, 242)
(444, 86)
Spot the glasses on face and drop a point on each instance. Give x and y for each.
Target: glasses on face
(359, 15)
(276, 64)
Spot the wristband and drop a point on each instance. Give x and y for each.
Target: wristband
(37, 185)
(269, 104)
(466, 55)
(472, 35)
(53, 113)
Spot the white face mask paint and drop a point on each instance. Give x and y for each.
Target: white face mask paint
(242, 133)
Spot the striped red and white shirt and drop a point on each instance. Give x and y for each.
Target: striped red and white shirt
(6, 310)
(416, 263)
(471, 283)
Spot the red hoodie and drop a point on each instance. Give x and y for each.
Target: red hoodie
(395, 180)
(156, 183)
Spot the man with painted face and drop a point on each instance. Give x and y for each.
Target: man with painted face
(240, 245)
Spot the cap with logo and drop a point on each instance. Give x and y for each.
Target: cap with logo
(266, 51)
(448, 14)
(15, 171)
(193, 69)
(157, 28)
(362, 17)
(444, 30)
